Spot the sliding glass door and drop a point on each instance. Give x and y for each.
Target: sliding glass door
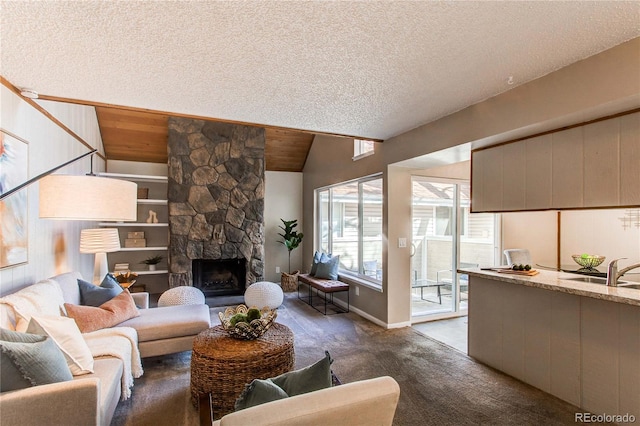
(445, 236)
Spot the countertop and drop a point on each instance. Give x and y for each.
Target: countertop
(556, 281)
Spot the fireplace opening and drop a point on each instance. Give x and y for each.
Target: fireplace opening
(226, 277)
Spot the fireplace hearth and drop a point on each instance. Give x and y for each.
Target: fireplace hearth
(226, 277)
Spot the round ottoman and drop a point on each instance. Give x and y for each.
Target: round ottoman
(263, 293)
(183, 295)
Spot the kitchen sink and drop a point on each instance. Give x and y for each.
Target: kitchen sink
(588, 279)
(629, 285)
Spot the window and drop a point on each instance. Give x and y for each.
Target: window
(362, 148)
(349, 224)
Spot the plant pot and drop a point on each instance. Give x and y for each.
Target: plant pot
(152, 267)
(289, 282)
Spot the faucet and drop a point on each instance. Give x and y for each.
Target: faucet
(613, 274)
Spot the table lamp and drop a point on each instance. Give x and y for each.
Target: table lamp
(99, 241)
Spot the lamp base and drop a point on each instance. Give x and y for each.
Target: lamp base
(100, 268)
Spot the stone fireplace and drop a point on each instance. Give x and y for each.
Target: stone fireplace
(225, 277)
(216, 197)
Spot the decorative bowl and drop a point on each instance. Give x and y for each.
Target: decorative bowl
(243, 330)
(588, 260)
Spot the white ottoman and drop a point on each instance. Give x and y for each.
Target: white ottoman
(263, 293)
(183, 295)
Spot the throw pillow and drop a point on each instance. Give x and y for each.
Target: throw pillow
(30, 360)
(64, 332)
(258, 392)
(314, 262)
(314, 377)
(93, 295)
(109, 281)
(329, 269)
(42, 298)
(111, 313)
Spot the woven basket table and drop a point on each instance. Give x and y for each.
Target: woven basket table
(222, 365)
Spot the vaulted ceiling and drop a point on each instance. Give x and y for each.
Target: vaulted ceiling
(142, 136)
(359, 69)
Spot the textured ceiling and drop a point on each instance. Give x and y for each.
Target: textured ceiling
(370, 69)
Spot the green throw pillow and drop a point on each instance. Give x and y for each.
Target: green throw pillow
(29, 360)
(314, 377)
(329, 269)
(258, 392)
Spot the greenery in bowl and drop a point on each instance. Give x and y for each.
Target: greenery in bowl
(588, 260)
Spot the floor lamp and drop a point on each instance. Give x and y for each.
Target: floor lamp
(99, 241)
(90, 198)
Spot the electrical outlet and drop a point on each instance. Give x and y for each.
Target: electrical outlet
(357, 291)
(402, 242)
(277, 269)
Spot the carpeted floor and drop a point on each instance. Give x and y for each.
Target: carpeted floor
(438, 385)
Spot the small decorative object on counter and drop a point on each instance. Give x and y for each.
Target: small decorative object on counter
(589, 261)
(247, 323)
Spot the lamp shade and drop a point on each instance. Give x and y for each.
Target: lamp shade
(99, 240)
(71, 197)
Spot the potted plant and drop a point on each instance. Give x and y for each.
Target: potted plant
(153, 261)
(291, 240)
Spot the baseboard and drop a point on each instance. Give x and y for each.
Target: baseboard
(371, 318)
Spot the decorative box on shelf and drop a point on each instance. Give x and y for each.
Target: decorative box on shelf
(143, 193)
(135, 242)
(135, 235)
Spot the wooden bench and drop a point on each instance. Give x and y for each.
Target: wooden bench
(327, 287)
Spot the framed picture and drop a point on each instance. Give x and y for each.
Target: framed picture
(14, 160)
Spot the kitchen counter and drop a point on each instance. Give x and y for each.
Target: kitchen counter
(578, 341)
(556, 281)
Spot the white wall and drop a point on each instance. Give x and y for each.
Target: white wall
(53, 245)
(536, 231)
(597, 231)
(282, 199)
(600, 232)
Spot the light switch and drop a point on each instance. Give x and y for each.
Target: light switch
(402, 242)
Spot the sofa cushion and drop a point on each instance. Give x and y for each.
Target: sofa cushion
(68, 283)
(109, 314)
(312, 378)
(170, 321)
(64, 332)
(30, 360)
(42, 298)
(308, 379)
(109, 371)
(94, 295)
(259, 392)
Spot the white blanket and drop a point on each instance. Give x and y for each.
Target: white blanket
(119, 342)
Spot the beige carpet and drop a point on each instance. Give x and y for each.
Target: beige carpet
(438, 385)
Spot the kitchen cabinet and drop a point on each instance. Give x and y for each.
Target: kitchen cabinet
(156, 235)
(593, 165)
(579, 342)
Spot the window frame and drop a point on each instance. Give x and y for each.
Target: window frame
(359, 277)
(359, 151)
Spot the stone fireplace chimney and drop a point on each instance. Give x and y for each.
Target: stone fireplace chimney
(216, 196)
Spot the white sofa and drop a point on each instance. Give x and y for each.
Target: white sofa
(367, 402)
(91, 399)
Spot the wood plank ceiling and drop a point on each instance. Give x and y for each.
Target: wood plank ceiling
(142, 136)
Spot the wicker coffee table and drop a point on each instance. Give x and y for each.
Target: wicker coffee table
(222, 365)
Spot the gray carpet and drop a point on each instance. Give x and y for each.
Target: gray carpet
(438, 385)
